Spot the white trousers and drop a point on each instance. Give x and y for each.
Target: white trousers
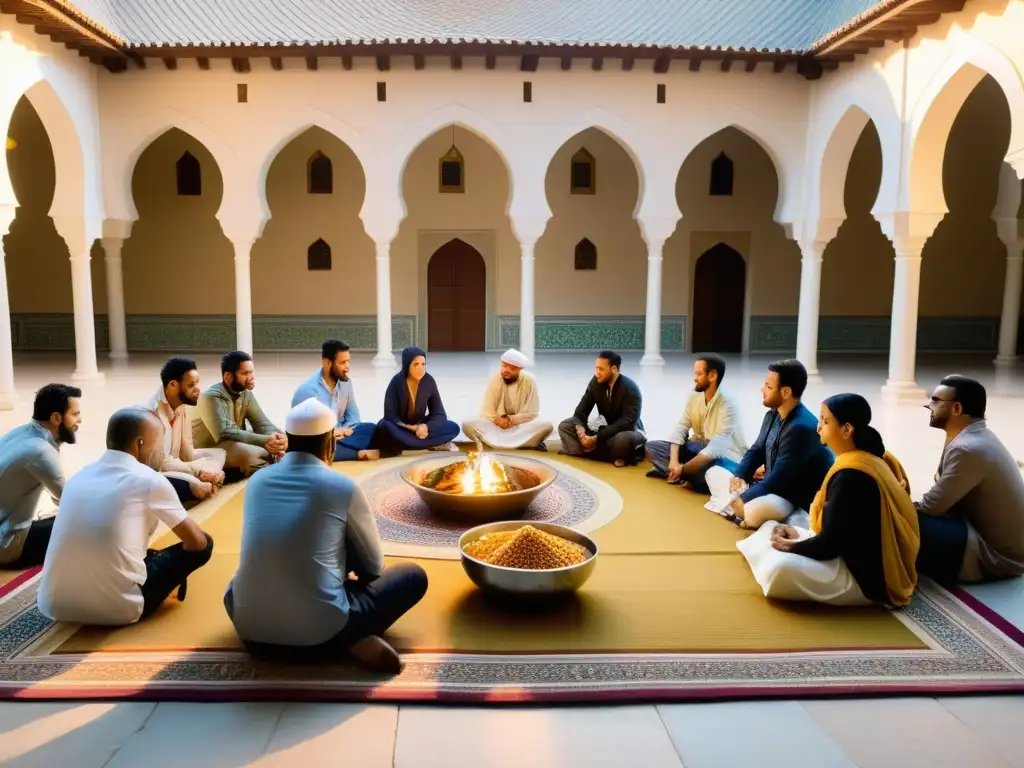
(210, 460)
(785, 576)
(755, 512)
(528, 435)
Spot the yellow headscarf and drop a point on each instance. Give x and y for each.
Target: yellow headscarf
(901, 537)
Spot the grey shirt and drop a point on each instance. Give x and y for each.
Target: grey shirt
(979, 482)
(223, 415)
(304, 528)
(29, 463)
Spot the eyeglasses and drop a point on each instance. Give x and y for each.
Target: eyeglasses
(936, 400)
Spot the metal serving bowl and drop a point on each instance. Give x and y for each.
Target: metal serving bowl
(522, 582)
(479, 506)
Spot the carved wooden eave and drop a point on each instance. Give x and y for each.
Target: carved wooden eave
(887, 21)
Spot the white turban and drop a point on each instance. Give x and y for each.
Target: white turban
(310, 418)
(515, 357)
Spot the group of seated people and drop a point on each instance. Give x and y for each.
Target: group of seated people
(311, 582)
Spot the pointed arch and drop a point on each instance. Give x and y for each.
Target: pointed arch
(319, 174)
(318, 256)
(583, 173)
(721, 176)
(585, 255)
(189, 175)
(935, 111)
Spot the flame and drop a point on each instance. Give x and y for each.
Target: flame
(483, 475)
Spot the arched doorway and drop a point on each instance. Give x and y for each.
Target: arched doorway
(719, 287)
(456, 299)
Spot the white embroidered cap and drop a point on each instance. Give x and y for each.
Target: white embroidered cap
(515, 357)
(310, 418)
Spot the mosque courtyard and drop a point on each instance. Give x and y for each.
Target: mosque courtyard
(905, 731)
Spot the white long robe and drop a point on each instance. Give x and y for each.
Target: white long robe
(518, 400)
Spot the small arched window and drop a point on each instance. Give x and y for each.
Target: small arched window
(583, 174)
(319, 174)
(318, 257)
(189, 175)
(451, 172)
(586, 255)
(721, 175)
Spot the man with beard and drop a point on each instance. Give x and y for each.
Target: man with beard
(508, 415)
(195, 473)
(972, 519)
(784, 468)
(708, 433)
(98, 569)
(616, 434)
(223, 412)
(29, 463)
(332, 387)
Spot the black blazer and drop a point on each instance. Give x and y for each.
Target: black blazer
(799, 462)
(621, 410)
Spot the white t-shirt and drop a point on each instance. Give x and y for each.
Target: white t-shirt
(95, 562)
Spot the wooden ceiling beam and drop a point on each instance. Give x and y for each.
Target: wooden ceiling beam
(276, 63)
(384, 63)
(596, 63)
(240, 64)
(455, 61)
(661, 65)
(312, 63)
(695, 63)
(171, 63)
(491, 61)
(566, 63)
(750, 66)
(627, 63)
(726, 64)
(528, 63)
(204, 63)
(779, 65)
(346, 62)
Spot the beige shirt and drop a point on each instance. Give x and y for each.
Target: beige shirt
(179, 453)
(716, 423)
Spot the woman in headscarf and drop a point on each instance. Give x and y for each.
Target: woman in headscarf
(414, 416)
(864, 536)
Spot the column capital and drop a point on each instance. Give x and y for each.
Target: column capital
(822, 230)
(657, 228)
(529, 227)
(117, 229)
(812, 250)
(908, 230)
(1015, 158)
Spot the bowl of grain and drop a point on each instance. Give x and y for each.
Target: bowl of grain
(531, 559)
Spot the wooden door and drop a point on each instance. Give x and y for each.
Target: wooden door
(719, 290)
(456, 299)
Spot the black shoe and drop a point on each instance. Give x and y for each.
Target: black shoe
(182, 590)
(657, 473)
(542, 448)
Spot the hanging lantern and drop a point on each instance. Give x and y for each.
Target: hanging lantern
(11, 143)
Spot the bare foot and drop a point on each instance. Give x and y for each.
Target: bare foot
(368, 455)
(620, 463)
(377, 654)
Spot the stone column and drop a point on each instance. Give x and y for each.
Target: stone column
(656, 229)
(85, 318)
(906, 289)
(1011, 302)
(810, 301)
(8, 396)
(243, 293)
(384, 358)
(115, 298)
(527, 329)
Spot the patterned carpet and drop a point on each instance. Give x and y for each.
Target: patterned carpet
(671, 614)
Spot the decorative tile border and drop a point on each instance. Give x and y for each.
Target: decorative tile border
(777, 333)
(210, 333)
(593, 332)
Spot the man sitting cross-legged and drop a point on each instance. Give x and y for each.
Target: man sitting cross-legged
(98, 569)
(332, 387)
(617, 435)
(306, 531)
(786, 464)
(972, 519)
(511, 405)
(30, 463)
(195, 473)
(713, 417)
(223, 412)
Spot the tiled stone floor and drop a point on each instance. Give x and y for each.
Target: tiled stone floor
(972, 731)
